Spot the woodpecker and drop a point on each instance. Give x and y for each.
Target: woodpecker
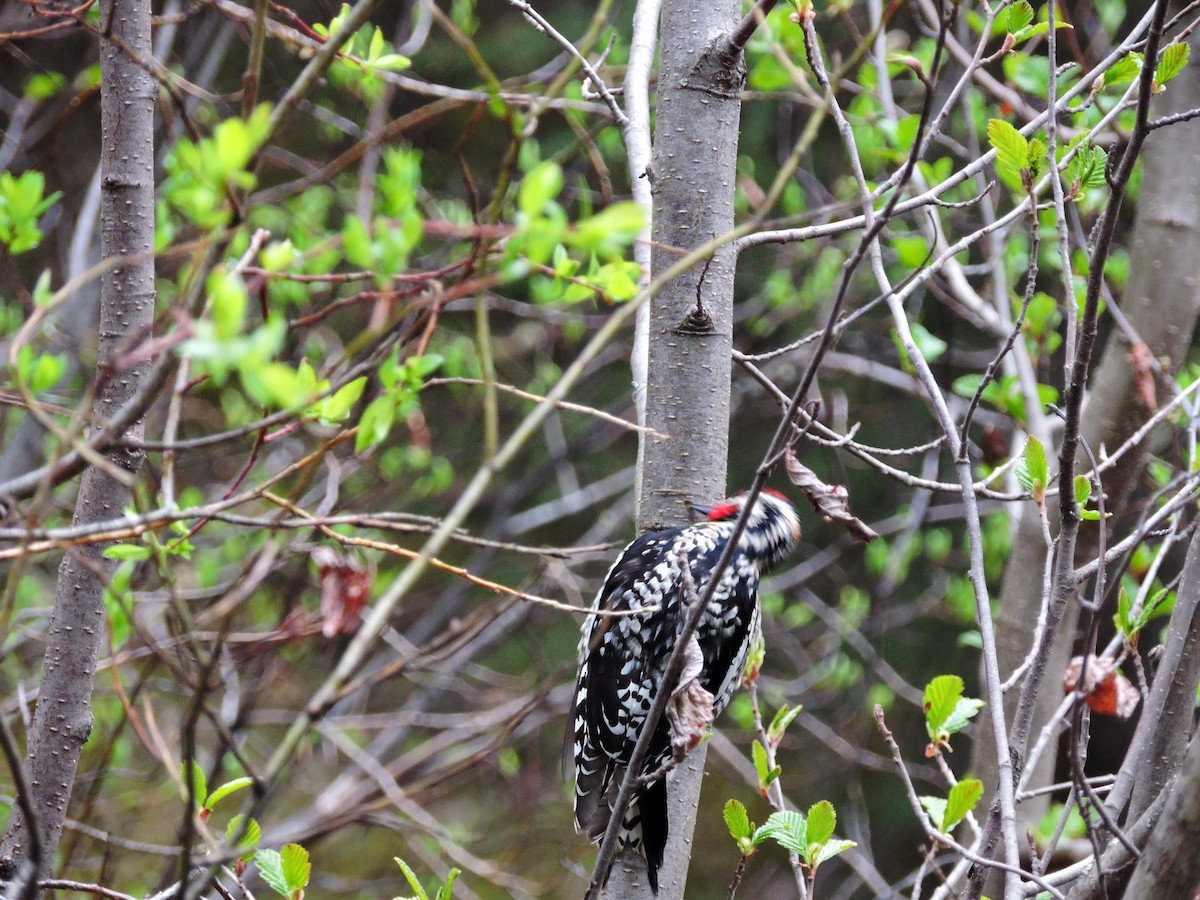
(622, 658)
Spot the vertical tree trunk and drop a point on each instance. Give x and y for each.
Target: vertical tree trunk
(693, 169)
(63, 718)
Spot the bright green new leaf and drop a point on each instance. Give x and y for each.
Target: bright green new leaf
(1018, 16)
(541, 185)
(1173, 61)
(786, 828)
(296, 868)
(737, 821)
(964, 711)
(941, 696)
(413, 881)
(1033, 471)
(193, 773)
(962, 799)
(783, 718)
(229, 787)
(820, 823)
(229, 300)
(1012, 149)
(270, 870)
(936, 807)
(1123, 70)
(447, 888)
(127, 551)
(336, 407)
(250, 835)
(375, 423)
(831, 849)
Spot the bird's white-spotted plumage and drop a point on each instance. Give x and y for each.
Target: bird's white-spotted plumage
(622, 658)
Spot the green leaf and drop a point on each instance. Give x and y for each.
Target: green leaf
(375, 423)
(192, 772)
(784, 717)
(1086, 169)
(336, 407)
(941, 696)
(930, 345)
(229, 300)
(786, 828)
(128, 551)
(1018, 16)
(1032, 471)
(962, 799)
(446, 889)
(229, 787)
(936, 807)
(296, 868)
(270, 869)
(964, 711)
(541, 185)
(1012, 149)
(42, 295)
(821, 821)
(248, 840)
(1122, 617)
(1123, 70)
(1173, 61)
(831, 849)
(413, 881)
(737, 820)
(273, 384)
(47, 371)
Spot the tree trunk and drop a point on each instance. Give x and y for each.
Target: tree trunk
(693, 171)
(1170, 866)
(63, 718)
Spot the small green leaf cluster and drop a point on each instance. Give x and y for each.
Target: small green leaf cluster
(151, 546)
(385, 244)
(1032, 470)
(22, 203)
(286, 870)
(1003, 392)
(947, 812)
(1174, 60)
(1018, 160)
(194, 777)
(810, 837)
(39, 371)
(1130, 623)
(363, 56)
(1018, 26)
(947, 711)
(202, 176)
(419, 892)
(544, 238)
(401, 382)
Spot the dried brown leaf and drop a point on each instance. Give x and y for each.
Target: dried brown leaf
(345, 586)
(1106, 690)
(832, 501)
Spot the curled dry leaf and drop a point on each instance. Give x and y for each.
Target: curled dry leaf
(832, 501)
(345, 585)
(1106, 690)
(690, 711)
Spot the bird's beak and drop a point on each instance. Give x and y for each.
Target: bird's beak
(701, 510)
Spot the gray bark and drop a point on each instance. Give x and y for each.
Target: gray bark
(63, 718)
(1161, 301)
(1170, 866)
(687, 398)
